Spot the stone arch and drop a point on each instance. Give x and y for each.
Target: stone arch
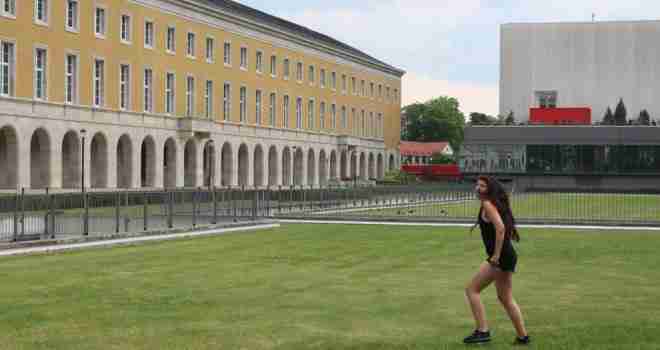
(372, 166)
(380, 167)
(148, 162)
(208, 157)
(286, 166)
(258, 165)
(169, 163)
(8, 158)
(323, 168)
(363, 166)
(298, 167)
(272, 166)
(227, 164)
(190, 163)
(243, 165)
(311, 167)
(124, 162)
(99, 161)
(71, 160)
(391, 163)
(40, 151)
(333, 165)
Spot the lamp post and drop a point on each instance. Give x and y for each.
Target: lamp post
(83, 132)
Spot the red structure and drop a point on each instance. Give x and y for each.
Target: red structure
(556, 116)
(444, 171)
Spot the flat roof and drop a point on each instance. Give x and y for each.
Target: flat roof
(562, 135)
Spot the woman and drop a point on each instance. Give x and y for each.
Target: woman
(498, 229)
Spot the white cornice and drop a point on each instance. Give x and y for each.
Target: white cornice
(211, 16)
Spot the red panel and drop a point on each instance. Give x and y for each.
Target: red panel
(444, 170)
(552, 116)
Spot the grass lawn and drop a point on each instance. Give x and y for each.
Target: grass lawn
(331, 287)
(566, 206)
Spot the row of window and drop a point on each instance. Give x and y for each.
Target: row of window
(325, 79)
(371, 126)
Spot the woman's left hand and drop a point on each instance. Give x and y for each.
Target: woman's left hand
(494, 260)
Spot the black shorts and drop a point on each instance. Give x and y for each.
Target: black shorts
(507, 262)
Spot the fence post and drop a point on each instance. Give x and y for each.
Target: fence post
(22, 211)
(215, 205)
(170, 208)
(16, 217)
(117, 210)
(86, 214)
(145, 211)
(52, 216)
(46, 226)
(194, 211)
(255, 200)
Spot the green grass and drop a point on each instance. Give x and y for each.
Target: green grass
(564, 206)
(331, 287)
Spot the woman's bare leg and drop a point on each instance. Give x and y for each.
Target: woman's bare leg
(484, 277)
(504, 285)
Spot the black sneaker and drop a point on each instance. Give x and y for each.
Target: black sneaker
(522, 341)
(477, 337)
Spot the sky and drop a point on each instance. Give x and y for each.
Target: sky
(446, 47)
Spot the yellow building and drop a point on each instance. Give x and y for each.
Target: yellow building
(170, 93)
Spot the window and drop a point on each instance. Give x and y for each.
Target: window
(259, 62)
(244, 58)
(271, 109)
(371, 130)
(333, 115)
(310, 114)
(363, 88)
(344, 123)
(371, 90)
(71, 79)
(299, 113)
(354, 119)
(257, 101)
(41, 11)
(380, 91)
(190, 96)
(546, 99)
(285, 111)
(99, 82)
(322, 115)
(171, 39)
(124, 86)
(40, 74)
(273, 65)
(226, 102)
(387, 93)
(148, 90)
(299, 72)
(343, 83)
(322, 78)
(210, 50)
(311, 75)
(71, 14)
(243, 104)
(333, 80)
(380, 125)
(169, 93)
(396, 95)
(353, 85)
(208, 100)
(190, 45)
(126, 28)
(287, 68)
(9, 8)
(99, 22)
(228, 53)
(149, 34)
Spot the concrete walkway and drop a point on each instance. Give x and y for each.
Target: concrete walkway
(132, 240)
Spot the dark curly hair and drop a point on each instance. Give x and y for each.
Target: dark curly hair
(497, 195)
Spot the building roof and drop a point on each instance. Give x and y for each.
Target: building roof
(561, 135)
(409, 148)
(255, 15)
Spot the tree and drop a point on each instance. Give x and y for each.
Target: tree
(608, 119)
(439, 158)
(620, 113)
(510, 119)
(481, 119)
(438, 119)
(644, 118)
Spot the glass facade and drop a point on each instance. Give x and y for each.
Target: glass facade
(561, 159)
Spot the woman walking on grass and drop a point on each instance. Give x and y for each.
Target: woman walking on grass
(498, 229)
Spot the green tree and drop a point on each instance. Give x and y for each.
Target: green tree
(435, 120)
(439, 158)
(620, 114)
(608, 119)
(644, 118)
(481, 119)
(510, 119)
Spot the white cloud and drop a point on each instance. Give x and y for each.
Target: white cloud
(472, 97)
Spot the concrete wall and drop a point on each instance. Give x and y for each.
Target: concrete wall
(588, 64)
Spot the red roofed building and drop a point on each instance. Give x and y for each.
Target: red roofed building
(421, 152)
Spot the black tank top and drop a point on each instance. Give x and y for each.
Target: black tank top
(488, 235)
